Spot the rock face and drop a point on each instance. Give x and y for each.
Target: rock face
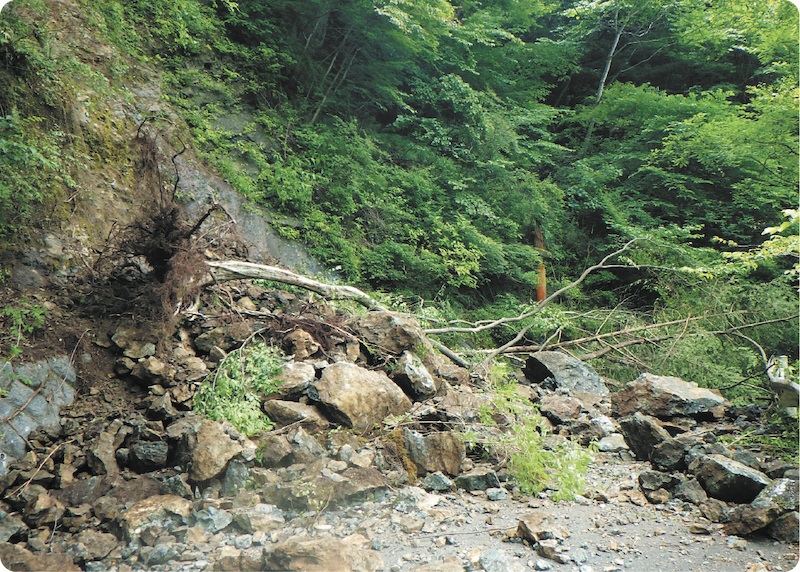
(33, 396)
(728, 480)
(666, 397)
(563, 371)
(356, 397)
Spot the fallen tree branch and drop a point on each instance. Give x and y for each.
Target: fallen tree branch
(541, 305)
(600, 337)
(236, 270)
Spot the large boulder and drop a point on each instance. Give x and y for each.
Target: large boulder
(665, 397)
(784, 493)
(203, 445)
(357, 397)
(323, 555)
(414, 377)
(442, 451)
(391, 332)
(558, 370)
(642, 433)
(728, 480)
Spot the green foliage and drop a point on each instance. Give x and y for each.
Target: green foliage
(21, 320)
(534, 466)
(234, 391)
(32, 176)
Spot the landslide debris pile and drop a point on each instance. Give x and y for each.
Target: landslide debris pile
(367, 415)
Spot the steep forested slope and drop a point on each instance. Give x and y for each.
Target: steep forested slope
(448, 153)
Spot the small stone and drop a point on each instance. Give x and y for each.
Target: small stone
(496, 494)
(437, 482)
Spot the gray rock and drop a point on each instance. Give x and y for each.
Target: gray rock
(746, 519)
(786, 528)
(26, 410)
(437, 482)
(295, 378)
(670, 454)
(653, 480)
(642, 433)
(785, 493)
(274, 450)
(414, 377)
(393, 332)
(494, 560)
(664, 397)
(9, 526)
(689, 490)
(285, 413)
(728, 480)
(305, 449)
(477, 480)
(564, 372)
(236, 475)
(161, 554)
(612, 443)
(146, 456)
(605, 424)
(356, 397)
(177, 485)
(441, 451)
(260, 517)
(211, 519)
(496, 494)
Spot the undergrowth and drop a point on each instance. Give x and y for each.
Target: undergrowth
(233, 392)
(534, 466)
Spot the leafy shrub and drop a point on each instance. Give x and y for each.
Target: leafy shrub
(22, 319)
(233, 392)
(534, 467)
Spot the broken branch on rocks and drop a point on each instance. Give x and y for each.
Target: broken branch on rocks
(236, 270)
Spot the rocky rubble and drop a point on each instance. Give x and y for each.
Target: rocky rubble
(367, 468)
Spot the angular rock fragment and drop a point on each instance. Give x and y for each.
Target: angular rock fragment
(435, 452)
(356, 397)
(558, 370)
(665, 397)
(728, 480)
(642, 433)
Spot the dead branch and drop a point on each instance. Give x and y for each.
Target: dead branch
(539, 306)
(236, 270)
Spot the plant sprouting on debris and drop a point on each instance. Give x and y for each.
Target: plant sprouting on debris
(534, 465)
(234, 391)
(21, 320)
